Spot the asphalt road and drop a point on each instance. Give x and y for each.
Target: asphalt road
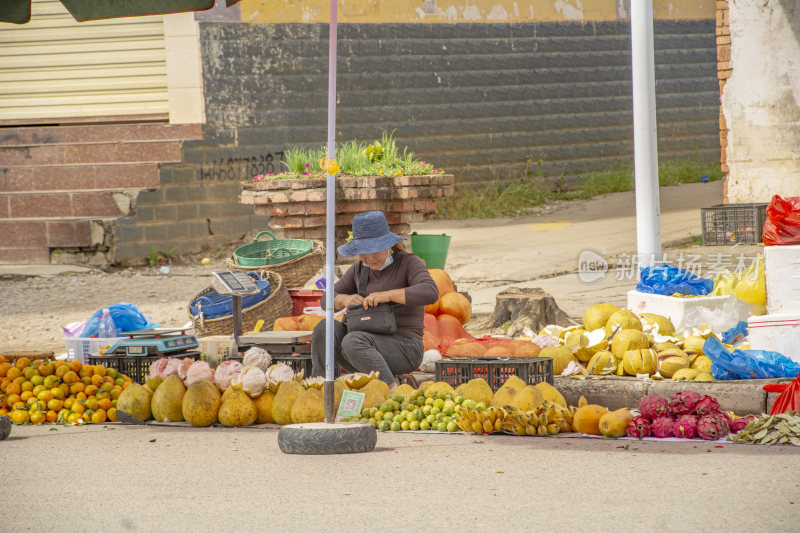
(150, 478)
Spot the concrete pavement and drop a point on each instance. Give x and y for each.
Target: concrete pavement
(487, 256)
(158, 478)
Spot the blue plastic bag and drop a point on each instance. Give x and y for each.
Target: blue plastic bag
(669, 279)
(736, 332)
(747, 364)
(127, 317)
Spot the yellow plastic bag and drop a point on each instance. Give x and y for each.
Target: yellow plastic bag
(724, 283)
(752, 288)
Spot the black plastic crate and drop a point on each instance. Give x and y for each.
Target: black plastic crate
(495, 370)
(134, 366)
(733, 223)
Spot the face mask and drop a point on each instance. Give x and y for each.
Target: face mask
(389, 261)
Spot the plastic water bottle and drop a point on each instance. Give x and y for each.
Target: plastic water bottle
(106, 329)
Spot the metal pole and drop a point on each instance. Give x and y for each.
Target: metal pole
(645, 134)
(330, 218)
(237, 317)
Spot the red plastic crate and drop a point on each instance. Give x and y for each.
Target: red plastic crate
(302, 298)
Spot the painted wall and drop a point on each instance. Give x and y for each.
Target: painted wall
(483, 101)
(454, 11)
(761, 100)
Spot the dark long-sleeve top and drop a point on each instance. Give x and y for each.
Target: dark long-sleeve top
(407, 271)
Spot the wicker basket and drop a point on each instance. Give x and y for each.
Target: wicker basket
(278, 304)
(295, 273)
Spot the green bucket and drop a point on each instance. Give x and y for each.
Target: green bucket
(431, 248)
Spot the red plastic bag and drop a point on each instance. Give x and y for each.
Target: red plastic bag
(782, 226)
(440, 332)
(789, 399)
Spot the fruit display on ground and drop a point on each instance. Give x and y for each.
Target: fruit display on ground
(516, 408)
(67, 392)
(614, 341)
(687, 415)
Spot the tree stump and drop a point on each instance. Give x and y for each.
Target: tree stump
(530, 308)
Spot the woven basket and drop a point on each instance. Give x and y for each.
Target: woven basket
(277, 305)
(261, 253)
(295, 273)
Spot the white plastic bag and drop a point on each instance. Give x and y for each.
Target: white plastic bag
(317, 281)
(720, 320)
(429, 359)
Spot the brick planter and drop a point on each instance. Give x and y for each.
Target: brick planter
(296, 207)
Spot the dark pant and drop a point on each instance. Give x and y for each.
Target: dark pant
(360, 351)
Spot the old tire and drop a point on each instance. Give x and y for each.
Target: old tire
(327, 439)
(5, 427)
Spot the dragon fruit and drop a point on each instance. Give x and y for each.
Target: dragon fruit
(662, 426)
(685, 427)
(652, 407)
(710, 427)
(683, 403)
(705, 406)
(738, 424)
(721, 420)
(639, 427)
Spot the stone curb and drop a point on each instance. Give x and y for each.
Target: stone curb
(742, 397)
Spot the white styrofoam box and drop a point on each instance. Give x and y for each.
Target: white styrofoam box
(80, 348)
(782, 272)
(775, 333)
(676, 308)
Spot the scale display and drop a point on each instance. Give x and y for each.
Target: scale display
(154, 342)
(236, 283)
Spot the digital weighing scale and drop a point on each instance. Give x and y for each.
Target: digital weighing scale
(156, 341)
(237, 284)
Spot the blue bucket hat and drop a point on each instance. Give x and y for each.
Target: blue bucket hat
(370, 235)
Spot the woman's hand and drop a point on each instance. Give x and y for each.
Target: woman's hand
(375, 298)
(352, 299)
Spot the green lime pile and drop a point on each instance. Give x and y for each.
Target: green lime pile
(426, 410)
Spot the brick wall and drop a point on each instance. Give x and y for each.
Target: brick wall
(193, 210)
(297, 207)
(482, 101)
(724, 71)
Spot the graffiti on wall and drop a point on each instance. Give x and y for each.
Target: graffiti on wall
(241, 168)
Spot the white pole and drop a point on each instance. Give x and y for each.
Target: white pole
(330, 218)
(645, 135)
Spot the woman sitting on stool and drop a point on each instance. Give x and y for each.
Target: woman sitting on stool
(394, 276)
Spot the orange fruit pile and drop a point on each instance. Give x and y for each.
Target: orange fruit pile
(60, 391)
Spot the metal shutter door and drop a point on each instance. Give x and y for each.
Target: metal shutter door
(56, 68)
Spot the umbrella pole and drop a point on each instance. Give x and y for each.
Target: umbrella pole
(330, 218)
(645, 138)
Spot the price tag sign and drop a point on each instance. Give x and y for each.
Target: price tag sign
(350, 405)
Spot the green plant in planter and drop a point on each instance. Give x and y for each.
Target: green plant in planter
(374, 151)
(380, 158)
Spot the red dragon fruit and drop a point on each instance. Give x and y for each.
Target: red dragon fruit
(724, 417)
(739, 424)
(711, 427)
(651, 407)
(685, 427)
(683, 403)
(662, 426)
(639, 427)
(705, 406)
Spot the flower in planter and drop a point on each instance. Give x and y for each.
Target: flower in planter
(330, 166)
